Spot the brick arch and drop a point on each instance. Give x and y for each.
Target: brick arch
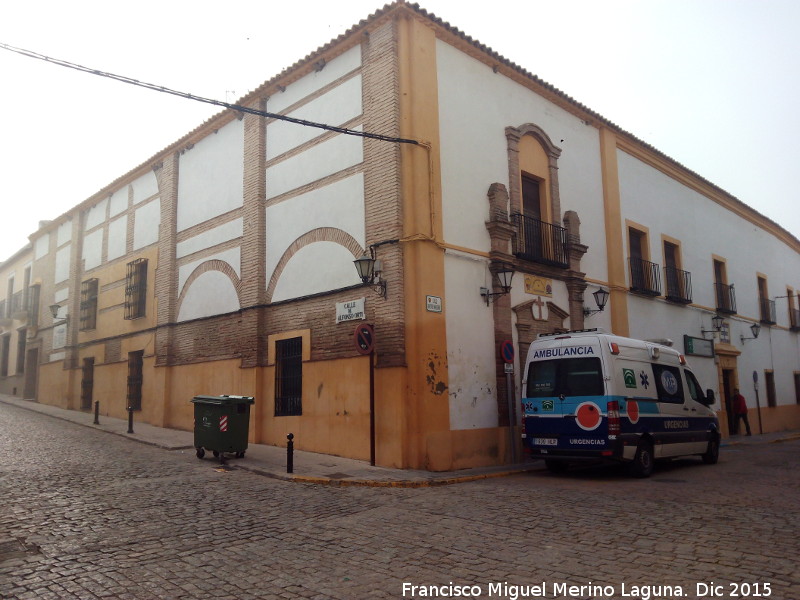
(211, 265)
(321, 234)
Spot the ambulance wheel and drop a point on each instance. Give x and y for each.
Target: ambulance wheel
(712, 454)
(643, 462)
(556, 466)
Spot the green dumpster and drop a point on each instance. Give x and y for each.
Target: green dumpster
(221, 424)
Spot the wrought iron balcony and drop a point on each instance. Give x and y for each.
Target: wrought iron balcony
(19, 306)
(540, 242)
(794, 319)
(767, 307)
(645, 277)
(679, 285)
(726, 298)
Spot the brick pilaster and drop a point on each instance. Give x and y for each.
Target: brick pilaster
(166, 275)
(253, 275)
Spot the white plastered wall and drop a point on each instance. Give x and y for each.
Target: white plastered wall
(211, 176)
(316, 183)
(474, 154)
(704, 228)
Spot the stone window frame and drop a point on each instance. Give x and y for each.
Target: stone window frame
(553, 152)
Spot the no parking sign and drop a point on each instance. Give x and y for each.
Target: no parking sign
(507, 352)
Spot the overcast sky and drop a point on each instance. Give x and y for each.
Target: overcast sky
(711, 83)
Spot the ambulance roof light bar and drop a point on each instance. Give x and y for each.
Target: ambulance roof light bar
(571, 331)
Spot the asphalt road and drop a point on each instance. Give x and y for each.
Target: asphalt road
(90, 515)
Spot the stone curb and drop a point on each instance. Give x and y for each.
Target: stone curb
(403, 483)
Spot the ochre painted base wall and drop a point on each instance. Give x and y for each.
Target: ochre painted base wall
(53, 385)
(773, 419)
(335, 417)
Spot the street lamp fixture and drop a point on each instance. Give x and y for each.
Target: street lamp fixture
(503, 272)
(756, 329)
(601, 299)
(369, 271)
(716, 324)
(54, 308)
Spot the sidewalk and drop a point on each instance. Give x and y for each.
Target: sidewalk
(310, 467)
(270, 461)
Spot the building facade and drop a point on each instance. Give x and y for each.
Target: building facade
(18, 319)
(225, 264)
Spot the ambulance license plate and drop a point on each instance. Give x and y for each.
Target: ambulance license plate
(545, 442)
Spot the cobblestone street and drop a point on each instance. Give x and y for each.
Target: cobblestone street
(92, 515)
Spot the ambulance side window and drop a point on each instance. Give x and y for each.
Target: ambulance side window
(668, 383)
(695, 391)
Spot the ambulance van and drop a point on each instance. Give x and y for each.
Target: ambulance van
(592, 396)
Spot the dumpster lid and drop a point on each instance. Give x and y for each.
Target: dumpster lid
(224, 399)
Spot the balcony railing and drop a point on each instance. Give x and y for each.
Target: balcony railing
(726, 298)
(19, 306)
(679, 285)
(794, 319)
(767, 307)
(645, 277)
(540, 242)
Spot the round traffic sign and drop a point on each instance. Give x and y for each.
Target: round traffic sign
(507, 351)
(364, 337)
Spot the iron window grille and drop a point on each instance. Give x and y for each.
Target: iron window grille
(726, 298)
(540, 242)
(136, 289)
(768, 314)
(678, 284)
(89, 304)
(135, 379)
(794, 319)
(22, 341)
(87, 383)
(289, 377)
(645, 277)
(33, 305)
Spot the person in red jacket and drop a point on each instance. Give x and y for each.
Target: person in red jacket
(739, 412)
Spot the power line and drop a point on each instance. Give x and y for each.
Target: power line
(237, 107)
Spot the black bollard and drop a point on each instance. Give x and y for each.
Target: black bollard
(290, 453)
(130, 419)
(97, 413)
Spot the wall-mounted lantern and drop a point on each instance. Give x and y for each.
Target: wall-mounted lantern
(600, 299)
(504, 272)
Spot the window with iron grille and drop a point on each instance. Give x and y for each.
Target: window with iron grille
(89, 304)
(136, 289)
(22, 340)
(289, 377)
(135, 379)
(87, 383)
(33, 305)
(5, 353)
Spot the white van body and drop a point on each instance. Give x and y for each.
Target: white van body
(589, 395)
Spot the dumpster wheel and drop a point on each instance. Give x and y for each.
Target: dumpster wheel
(240, 454)
(200, 452)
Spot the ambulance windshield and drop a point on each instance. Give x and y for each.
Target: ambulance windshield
(569, 376)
